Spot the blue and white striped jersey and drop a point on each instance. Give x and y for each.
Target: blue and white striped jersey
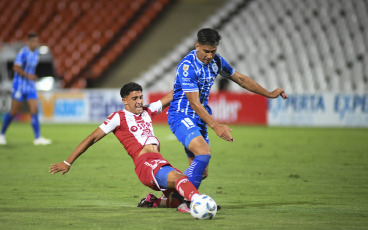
(28, 60)
(193, 75)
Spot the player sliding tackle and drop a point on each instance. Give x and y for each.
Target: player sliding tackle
(133, 127)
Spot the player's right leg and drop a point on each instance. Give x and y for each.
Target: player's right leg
(192, 136)
(14, 110)
(202, 155)
(182, 185)
(32, 100)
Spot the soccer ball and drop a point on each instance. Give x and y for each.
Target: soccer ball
(203, 207)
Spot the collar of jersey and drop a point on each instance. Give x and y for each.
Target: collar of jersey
(131, 114)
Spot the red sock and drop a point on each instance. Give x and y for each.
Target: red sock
(185, 188)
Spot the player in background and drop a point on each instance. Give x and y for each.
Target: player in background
(133, 128)
(189, 112)
(24, 89)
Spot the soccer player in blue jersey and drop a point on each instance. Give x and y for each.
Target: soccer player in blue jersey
(189, 112)
(24, 89)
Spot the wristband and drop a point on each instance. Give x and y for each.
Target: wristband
(67, 163)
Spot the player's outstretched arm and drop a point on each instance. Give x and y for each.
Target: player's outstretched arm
(167, 99)
(221, 130)
(251, 85)
(64, 166)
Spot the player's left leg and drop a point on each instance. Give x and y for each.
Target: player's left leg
(33, 107)
(184, 187)
(190, 160)
(202, 155)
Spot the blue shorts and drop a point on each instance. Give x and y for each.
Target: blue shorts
(162, 174)
(24, 90)
(186, 129)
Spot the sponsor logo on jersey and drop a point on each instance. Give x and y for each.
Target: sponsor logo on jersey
(133, 129)
(146, 132)
(214, 67)
(108, 119)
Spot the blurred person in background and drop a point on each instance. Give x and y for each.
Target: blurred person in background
(24, 89)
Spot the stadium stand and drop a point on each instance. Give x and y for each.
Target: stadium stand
(302, 46)
(85, 36)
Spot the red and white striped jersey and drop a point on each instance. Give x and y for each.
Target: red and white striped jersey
(133, 131)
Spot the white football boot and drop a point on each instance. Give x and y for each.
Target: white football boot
(41, 141)
(2, 140)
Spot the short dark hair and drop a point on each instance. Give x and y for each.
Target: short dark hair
(208, 36)
(32, 35)
(130, 87)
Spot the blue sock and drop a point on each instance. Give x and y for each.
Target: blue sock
(196, 169)
(7, 119)
(35, 125)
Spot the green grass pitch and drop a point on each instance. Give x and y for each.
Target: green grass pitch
(269, 178)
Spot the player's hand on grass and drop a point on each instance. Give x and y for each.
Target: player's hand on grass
(59, 167)
(223, 131)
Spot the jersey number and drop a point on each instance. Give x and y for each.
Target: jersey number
(188, 123)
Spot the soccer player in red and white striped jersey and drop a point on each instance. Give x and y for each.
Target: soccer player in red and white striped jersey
(133, 128)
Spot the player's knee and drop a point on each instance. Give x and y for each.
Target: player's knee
(14, 111)
(34, 110)
(172, 178)
(204, 151)
(199, 146)
(34, 113)
(207, 150)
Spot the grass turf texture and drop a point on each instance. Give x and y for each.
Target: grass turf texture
(269, 178)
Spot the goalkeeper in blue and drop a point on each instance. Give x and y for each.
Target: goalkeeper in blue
(24, 89)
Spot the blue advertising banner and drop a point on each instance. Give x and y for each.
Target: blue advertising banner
(63, 106)
(102, 103)
(327, 109)
(79, 106)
